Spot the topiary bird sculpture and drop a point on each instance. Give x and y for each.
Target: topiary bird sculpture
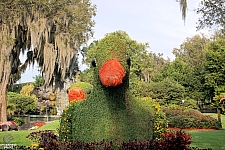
(109, 112)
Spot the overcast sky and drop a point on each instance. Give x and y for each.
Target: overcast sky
(158, 22)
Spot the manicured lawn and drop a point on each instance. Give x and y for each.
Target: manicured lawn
(19, 137)
(214, 115)
(214, 139)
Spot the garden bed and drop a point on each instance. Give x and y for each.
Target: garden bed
(191, 129)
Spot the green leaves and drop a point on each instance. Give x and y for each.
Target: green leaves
(20, 103)
(212, 14)
(215, 64)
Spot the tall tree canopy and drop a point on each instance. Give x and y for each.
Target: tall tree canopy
(51, 31)
(212, 12)
(215, 67)
(192, 52)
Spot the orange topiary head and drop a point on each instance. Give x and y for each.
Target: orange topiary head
(76, 94)
(111, 73)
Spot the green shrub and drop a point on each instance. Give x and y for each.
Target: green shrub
(18, 121)
(83, 85)
(22, 103)
(190, 119)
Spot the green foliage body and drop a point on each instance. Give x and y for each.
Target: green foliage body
(108, 113)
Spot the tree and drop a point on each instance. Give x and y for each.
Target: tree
(180, 72)
(192, 52)
(212, 12)
(215, 67)
(39, 81)
(51, 31)
(167, 91)
(215, 73)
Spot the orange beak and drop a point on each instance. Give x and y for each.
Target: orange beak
(111, 73)
(76, 94)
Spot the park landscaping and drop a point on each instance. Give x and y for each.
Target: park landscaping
(201, 138)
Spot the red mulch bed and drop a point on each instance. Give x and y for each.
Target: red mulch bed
(190, 129)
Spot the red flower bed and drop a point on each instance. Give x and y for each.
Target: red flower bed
(39, 124)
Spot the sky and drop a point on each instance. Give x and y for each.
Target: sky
(157, 22)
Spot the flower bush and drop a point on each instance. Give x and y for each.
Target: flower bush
(190, 119)
(159, 120)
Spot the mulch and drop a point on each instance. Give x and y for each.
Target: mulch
(190, 129)
(27, 126)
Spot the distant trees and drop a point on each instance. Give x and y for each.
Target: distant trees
(192, 53)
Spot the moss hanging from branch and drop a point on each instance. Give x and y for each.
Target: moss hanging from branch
(56, 29)
(52, 30)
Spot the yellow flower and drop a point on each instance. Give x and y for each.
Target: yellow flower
(34, 145)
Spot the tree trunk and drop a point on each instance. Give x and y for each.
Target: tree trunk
(3, 97)
(219, 115)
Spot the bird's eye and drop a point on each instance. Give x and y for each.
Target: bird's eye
(128, 60)
(88, 91)
(67, 91)
(93, 62)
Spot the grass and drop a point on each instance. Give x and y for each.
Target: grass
(213, 139)
(51, 126)
(19, 137)
(214, 115)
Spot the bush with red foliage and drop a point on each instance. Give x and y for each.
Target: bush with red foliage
(178, 140)
(190, 119)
